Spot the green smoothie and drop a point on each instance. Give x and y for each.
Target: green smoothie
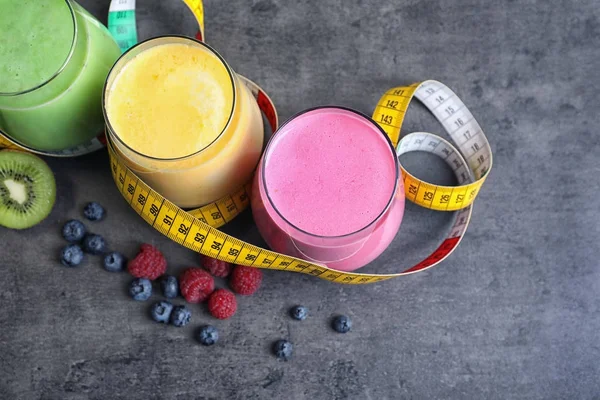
(54, 59)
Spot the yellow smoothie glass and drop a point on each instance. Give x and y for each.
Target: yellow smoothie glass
(182, 120)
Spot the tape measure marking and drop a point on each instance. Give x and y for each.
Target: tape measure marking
(122, 24)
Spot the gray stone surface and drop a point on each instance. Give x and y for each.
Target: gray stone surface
(513, 314)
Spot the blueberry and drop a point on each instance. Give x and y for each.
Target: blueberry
(161, 311)
(341, 324)
(71, 255)
(94, 244)
(93, 211)
(282, 349)
(73, 231)
(140, 289)
(169, 286)
(180, 316)
(207, 335)
(299, 313)
(114, 262)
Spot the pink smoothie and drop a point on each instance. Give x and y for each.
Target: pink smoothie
(328, 189)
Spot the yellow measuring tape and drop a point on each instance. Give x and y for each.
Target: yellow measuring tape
(6, 142)
(122, 22)
(197, 230)
(462, 128)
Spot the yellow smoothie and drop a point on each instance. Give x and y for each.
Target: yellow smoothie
(183, 120)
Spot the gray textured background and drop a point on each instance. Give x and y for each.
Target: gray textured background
(513, 314)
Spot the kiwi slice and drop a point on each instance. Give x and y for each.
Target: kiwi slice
(27, 189)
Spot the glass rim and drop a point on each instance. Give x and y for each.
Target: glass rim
(368, 120)
(64, 64)
(230, 73)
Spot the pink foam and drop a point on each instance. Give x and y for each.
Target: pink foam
(330, 172)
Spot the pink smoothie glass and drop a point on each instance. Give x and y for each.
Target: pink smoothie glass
(328, 189)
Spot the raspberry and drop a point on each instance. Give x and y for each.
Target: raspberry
(195, 285)
(149, 263)
(245, 280)
(222, 304)
(216, 267)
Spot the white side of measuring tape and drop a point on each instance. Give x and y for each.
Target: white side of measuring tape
(121, 5)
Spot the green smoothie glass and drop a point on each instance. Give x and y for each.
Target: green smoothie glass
(54, 59)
